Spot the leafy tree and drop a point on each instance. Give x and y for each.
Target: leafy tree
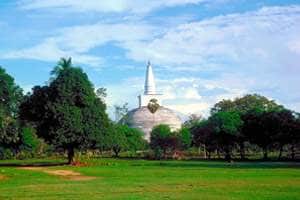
(261, 129)
(203, 135)
(30, 141)
(247, 104)
(226, 127)
(116, 139)
(67, 113)
(192, 121)
(101, 93)
(121, 112)
(185, 137)
(10, 98)
(121, 138)
(294, 135)
(162, 139)
(282, 131)
(134, 138)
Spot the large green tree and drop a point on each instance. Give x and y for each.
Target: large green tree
(203, 136)
(10, 98)
(226, 127)
(250, 103)
(123, 138)
(162, 140)
(67, 113)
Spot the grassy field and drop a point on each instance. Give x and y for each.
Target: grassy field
(141, 179)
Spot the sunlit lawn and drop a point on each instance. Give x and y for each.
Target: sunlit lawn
(141, 179)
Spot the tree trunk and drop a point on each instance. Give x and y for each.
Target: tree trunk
(71, 155)
(204, 150)
(209, 154)
(280, 152)
(116, 151)
(265, 150)
(293, 151)
(227, 155)
(242, 150)
(218, 153)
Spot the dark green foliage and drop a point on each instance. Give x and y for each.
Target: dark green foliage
(67, 113)
(10, 97)
(29, 139)
(163, 140)
(185, 137)
(247, 103)
(203, 135)
(121, 137)
(193, 121)
(252, 118)
(226, 127)
(116, 139)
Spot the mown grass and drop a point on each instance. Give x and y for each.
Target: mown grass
(143, 179)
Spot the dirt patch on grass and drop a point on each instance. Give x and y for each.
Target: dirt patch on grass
(66, 174)
(2, 177)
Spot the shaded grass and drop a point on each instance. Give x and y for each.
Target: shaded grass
(143, 179)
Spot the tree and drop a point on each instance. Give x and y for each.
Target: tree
(226, 127)
(261, 129)
(162, 139)
(121, 112)
(294, 135)
(101, 93)
(10, 98)
(185, 137)
(192, 121)
(116, 139)
(203, 135)
(247, 104)
(67, 113)
(121, 138)
(29, 141)
(134, 138)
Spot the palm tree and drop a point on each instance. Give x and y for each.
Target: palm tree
(63, 64)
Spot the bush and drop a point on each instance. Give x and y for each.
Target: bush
(6, 153)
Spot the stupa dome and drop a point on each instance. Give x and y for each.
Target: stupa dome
(144, 120)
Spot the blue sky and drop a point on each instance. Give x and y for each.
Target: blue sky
(202, 51)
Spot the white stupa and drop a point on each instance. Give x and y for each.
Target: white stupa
(142, 118)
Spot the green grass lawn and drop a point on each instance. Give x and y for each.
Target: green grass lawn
(141, 179)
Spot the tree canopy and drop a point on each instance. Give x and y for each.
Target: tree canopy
(67, 112)
(10, 98)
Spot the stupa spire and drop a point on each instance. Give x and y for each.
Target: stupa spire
(149, 81)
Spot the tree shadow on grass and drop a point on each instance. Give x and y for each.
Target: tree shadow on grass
(217, 163)
(232, 165)
(18, 163)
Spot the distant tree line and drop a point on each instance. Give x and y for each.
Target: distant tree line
(247, 123)
(67, 115)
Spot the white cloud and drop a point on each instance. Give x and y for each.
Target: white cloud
(115, 6)
(256, 51)
(77, 41)
(238, 39)
(50, 51)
